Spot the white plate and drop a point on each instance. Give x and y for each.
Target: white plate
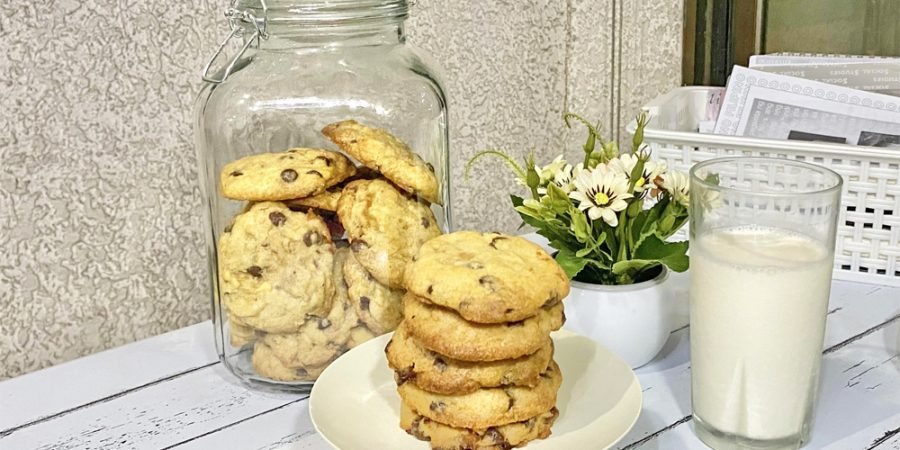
(354, 404)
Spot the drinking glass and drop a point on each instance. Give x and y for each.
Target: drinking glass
(762, 253)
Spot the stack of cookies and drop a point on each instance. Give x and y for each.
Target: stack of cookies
(473, 355)
(314, 263)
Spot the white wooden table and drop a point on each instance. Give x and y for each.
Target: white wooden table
(170, 391)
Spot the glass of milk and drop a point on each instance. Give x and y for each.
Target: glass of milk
(762, 250)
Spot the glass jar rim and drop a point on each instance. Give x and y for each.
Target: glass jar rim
(836, 180)
(310, 12)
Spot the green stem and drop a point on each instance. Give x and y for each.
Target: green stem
(503, 156)
(621, 232)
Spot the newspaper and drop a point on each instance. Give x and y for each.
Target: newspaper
(782, 59)
(882, 77)
(773, 106)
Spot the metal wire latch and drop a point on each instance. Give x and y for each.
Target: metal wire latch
(236, 17)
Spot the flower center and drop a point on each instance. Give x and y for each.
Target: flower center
(601, 198)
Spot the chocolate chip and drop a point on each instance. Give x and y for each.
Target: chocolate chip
(228, 228)
(512, 401)
(509, 310)
(312, 238)
(255, 271)
(236, 173)
(286, 157)
(406, 374)
(430, 167)
(416, 431)
(289, 175)
(440, 364)
(425, 222)
(324, 323)
(316, 173)
(494, 241)
(430, 289)
(293, 151)
(364, 303)
(341, 243)
(438, 407)
(358, 245)
(496, 437)
(353, 141)
(488, 281)
(302, 373)
(520, 323)
(278, 219)
(324, 158)
(475, 265)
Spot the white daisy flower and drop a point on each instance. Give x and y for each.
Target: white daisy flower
(549, 172)
(678, 186)
(652, 170)
(565, 178)
(602, 193)
(545, 173)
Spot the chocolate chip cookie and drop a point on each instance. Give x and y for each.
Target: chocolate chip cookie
(378, 306)
(443, 375)
(239, 333)
(503, 437)
(379, 150)
(488, 407)
(326, 201)
(321, 338)
(265, 363)
(296, 173)
(487, 277)
(385, 227)
(275, 268)
(443, 330)
(358, 335)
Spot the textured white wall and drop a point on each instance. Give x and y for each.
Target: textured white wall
(99, 209)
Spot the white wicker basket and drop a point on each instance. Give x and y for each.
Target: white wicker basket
(868, 241)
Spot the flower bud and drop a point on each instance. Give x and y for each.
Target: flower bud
(532, 178)
(666, 224)
(635, 208)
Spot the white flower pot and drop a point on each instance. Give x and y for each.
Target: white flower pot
(634, 321)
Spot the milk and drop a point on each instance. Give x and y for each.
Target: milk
(758, 303)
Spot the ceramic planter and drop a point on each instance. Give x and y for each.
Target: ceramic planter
(634, 321)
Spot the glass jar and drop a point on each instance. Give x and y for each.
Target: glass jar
(323, 162)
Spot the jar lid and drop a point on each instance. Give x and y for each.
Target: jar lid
(318, 12)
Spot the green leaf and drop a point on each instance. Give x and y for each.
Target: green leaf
(588, 250)
(632, 266)
(672, 254)
(580, 226)
(570, 263)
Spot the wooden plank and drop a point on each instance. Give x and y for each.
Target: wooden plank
(160, 416)
(287, 427)
(859, 405)
(855, 308)
(50, 391)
